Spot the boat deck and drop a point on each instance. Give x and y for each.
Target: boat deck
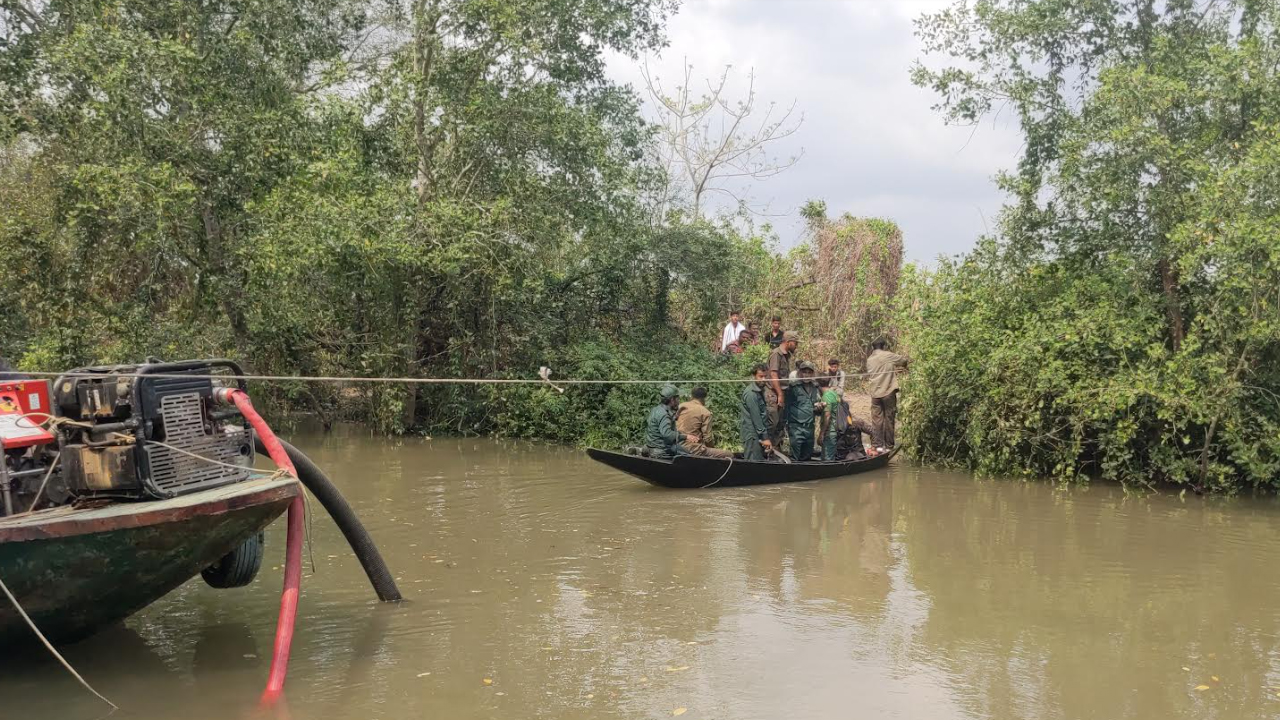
(70, 520)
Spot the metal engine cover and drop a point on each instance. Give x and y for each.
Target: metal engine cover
(154, 431)
(195, 455)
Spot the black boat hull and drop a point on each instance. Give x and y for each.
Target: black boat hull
(688, 472)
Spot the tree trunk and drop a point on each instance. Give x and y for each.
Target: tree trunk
(228, 289)
(1173, 306)
(426, 23)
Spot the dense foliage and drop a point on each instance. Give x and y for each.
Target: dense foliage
(434, 188)
(1125, 322)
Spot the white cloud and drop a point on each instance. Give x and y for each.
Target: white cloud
(872, 143)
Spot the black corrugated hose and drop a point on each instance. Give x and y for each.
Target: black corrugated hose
(314, 479)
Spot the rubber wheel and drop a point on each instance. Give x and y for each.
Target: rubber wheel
(238, 567)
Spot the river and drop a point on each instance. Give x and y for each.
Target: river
(542, 585)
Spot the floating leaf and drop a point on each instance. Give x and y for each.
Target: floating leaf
(1202, 687)
(679, 711)
(488, 681)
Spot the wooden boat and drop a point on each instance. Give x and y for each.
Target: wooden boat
(686, 471)
(75, 570)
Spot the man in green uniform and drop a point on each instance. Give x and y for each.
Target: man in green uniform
(754, 424)
(882, 386)
(661, 439)
(803, 404)
(774, 395)
(830, 414)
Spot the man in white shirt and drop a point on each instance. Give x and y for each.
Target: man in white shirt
(731, 332)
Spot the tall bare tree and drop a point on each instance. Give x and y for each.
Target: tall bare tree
(712, 142)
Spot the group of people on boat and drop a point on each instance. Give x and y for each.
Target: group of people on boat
(785, 414)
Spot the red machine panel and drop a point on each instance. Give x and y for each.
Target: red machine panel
(24, 404)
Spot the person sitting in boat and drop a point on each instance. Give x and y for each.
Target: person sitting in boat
(694, 420)
(754, 420)
(661, 439)
(803, 404)
(849, 430)
(830, 413)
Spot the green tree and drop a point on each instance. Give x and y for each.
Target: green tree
(1094, 335)
(151, 128)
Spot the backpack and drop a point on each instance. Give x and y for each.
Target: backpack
(842, 418)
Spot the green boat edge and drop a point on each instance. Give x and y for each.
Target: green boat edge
(75, 571)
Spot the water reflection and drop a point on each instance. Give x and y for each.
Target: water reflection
(1089, 603)
(576, 592)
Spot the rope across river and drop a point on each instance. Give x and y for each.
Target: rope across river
(416, 380)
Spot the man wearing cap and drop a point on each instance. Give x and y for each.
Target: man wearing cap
(693, 419)
(774, 396)
(803, 405)
(882, 386)
(661, 439)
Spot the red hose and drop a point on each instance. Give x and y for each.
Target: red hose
(293, 549)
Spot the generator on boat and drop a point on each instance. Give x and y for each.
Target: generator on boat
(123, 432)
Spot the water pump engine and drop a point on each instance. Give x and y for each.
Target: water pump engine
(153, 434)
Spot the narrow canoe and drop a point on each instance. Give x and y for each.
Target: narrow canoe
(700, 472)
(75, 570)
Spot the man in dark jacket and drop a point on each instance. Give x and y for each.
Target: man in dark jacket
(775, 336)
(661, 439)
(754, 423)
(803, 405)
(849, 431)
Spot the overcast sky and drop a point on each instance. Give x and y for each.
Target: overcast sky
(873, 146)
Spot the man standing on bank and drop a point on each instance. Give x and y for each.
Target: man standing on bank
(661, 439)
(754, 422)
(775, 336)
(882, 385)
(731, 332)
(694, 420)
(775, 397)
(836, 376)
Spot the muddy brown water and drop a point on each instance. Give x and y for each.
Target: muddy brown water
(542, 585)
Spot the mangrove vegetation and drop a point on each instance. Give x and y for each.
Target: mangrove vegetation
(456, 188)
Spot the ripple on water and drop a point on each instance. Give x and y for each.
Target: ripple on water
(577, 592)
